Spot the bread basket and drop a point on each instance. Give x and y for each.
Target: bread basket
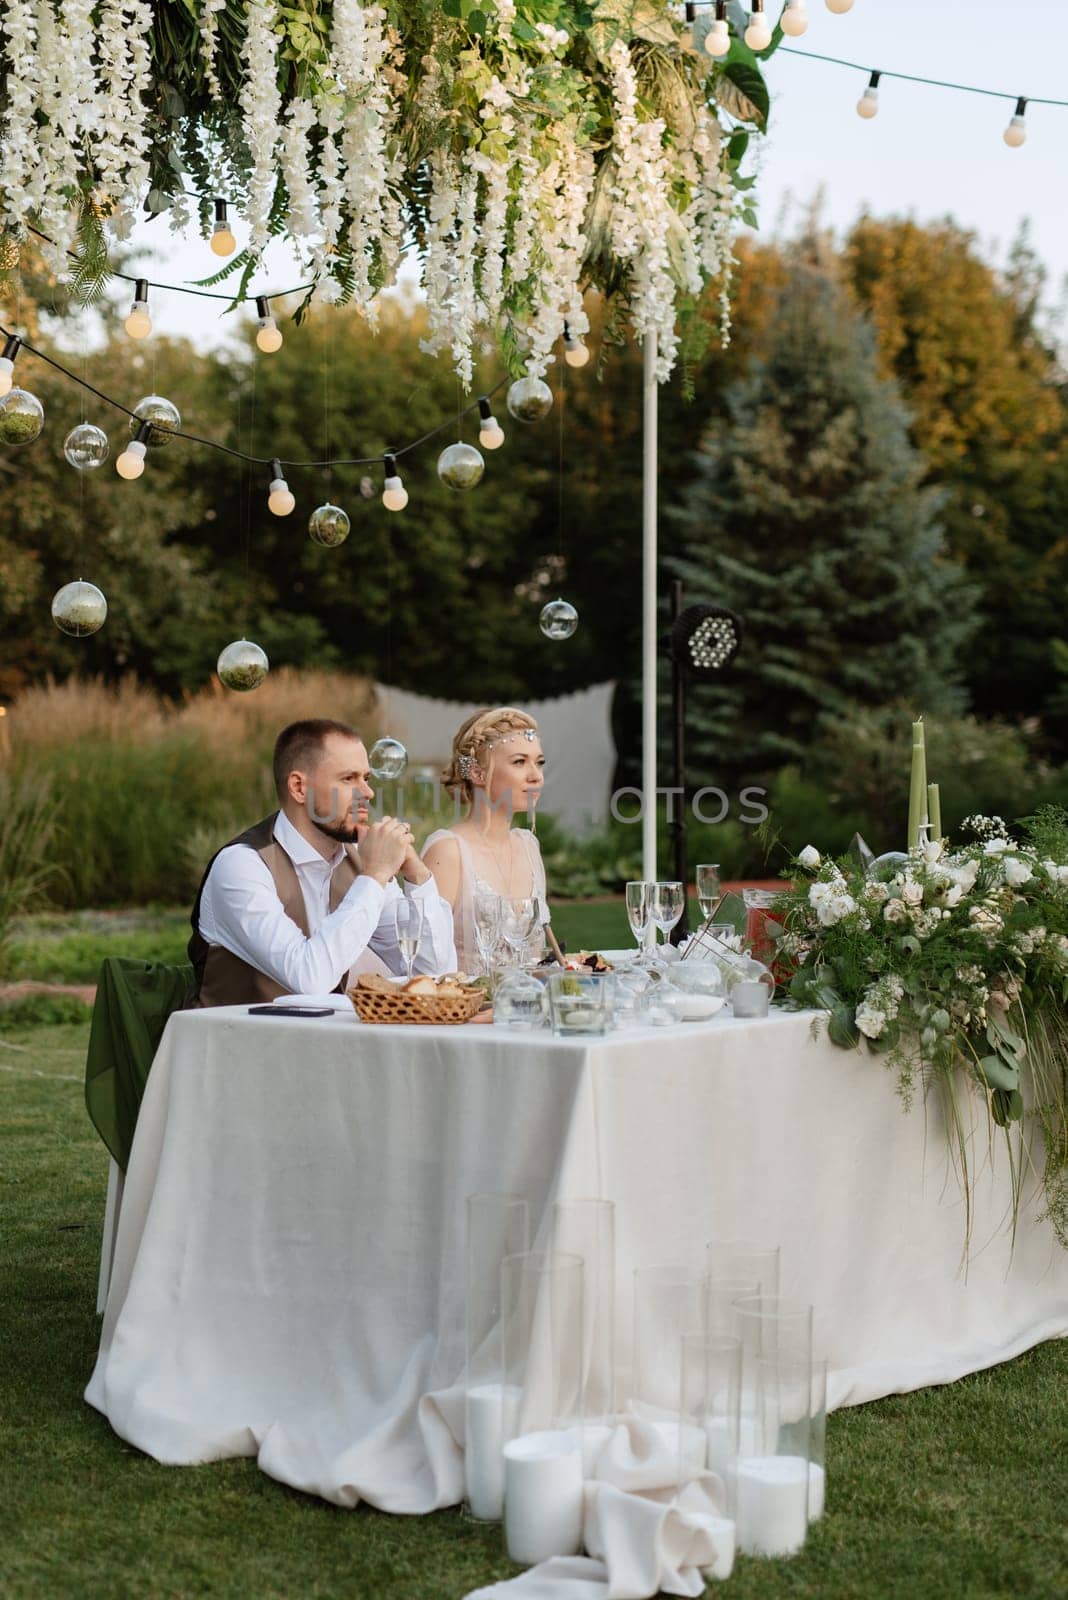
(375, 1005)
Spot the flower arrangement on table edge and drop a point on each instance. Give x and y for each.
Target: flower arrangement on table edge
(530, 149)
(952, 963)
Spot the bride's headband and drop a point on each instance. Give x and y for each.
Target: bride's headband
(466, 760)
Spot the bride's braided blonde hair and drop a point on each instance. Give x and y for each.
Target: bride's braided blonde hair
(476, 738)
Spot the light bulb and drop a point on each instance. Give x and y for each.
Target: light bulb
(490, 432)
(269, 338)
(1016, 132)
(394, 494)
(279, 499)
(576, 353)
(131, 463)
(222, 240)
(718, 38)
(139, 324)
(794, 20)
(758, 34)
(868, 104)
(7, 363)
(839, 7)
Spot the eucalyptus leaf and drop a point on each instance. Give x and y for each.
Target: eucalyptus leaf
(842, 1028)
(998, 1073)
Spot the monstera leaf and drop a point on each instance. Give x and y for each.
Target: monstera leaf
(743, 94)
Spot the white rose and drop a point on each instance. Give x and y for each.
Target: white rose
(996, 847)
(870, 1021)
(895, 911)
(953, 895)
(809, 858)
(1016, 871)
(912, 892)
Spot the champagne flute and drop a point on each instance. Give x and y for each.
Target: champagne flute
(519, 918)
(638, 912)
(709, 888)
(667, 901)
(409, 929)
(487, 920)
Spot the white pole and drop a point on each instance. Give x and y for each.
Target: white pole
(649, 622)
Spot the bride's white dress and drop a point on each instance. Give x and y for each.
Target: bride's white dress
(463, 915)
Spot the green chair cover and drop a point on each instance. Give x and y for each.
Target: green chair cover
(133, 1001)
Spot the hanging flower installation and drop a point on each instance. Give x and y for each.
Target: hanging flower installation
(528, 149)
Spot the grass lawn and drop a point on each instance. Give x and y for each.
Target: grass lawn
(949, 1494)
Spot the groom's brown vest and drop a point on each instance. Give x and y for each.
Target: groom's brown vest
(223, 979)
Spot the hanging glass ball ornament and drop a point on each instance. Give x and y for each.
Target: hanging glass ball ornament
(163, 415)
(460, 466)
(86, 447)
(558, 619)
(329, 525)
(388, 759)
(21, 417)
(79, 609)
(530, 399)
(242, 665)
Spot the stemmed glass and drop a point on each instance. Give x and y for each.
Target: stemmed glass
(638, 912)
(487, 919)
(409, 929)
(666, 905)
(519, 918)
(709, 888)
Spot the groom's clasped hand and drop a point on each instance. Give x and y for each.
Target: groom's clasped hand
(385, 848)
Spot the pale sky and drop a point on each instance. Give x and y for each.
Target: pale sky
(929, 152)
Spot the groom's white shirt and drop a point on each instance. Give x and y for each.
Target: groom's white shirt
(240, 910)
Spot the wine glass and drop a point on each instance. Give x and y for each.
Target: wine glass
(409, 929)
(666, 904)
(709, 888)
(519, 918)
(487, 921)
(638, 912)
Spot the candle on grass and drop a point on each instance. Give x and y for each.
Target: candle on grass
(543, 1496)
(491, 1410)
(772, 1504)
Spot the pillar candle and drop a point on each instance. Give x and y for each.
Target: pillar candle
(490, 1413)
(817, 1490)
(772, 1504)
(543, 1496)
(918, 785)
(934, 810)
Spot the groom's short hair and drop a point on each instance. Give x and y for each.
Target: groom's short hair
(300, 746)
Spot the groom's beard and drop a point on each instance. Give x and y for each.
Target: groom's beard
(343, 832)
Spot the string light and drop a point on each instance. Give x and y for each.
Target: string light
(758, 34)
(1016, 132)
(7, 363)
(794, 20)
(839, 7)
(576, 354)
(269, 338)
(394, 494)
(131, 463)
(718, 37)
(868, 104)
(490, 432)
(139, 324)
(279, 498)
(223, 242)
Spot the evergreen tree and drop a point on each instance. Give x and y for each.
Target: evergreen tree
(806, 516)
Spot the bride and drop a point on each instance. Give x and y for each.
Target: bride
(497, 768)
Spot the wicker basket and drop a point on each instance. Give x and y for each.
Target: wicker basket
(373, 1006)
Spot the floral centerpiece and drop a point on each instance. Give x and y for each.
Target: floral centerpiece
(950, 962)
(528, 149)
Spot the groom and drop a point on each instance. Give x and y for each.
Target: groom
(292, 904)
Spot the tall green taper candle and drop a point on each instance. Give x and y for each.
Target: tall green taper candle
(934, 810)
(918, 788)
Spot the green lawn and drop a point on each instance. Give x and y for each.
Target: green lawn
(949, 1494)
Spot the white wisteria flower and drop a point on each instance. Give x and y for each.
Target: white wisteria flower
(261, 106)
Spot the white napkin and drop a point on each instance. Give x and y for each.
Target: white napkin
(642, 1538)
(336, 1002)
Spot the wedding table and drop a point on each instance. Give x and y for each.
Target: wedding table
(288, 1278)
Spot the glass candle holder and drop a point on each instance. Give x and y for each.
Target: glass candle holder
(498, 1225)
(587, 1229)
(751, 1260)
(542, 1343)
(817, 1444)
(579, 1003)
(669, 1301)
(776, 1395)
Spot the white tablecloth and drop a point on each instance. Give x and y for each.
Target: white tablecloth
(289, 1271)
